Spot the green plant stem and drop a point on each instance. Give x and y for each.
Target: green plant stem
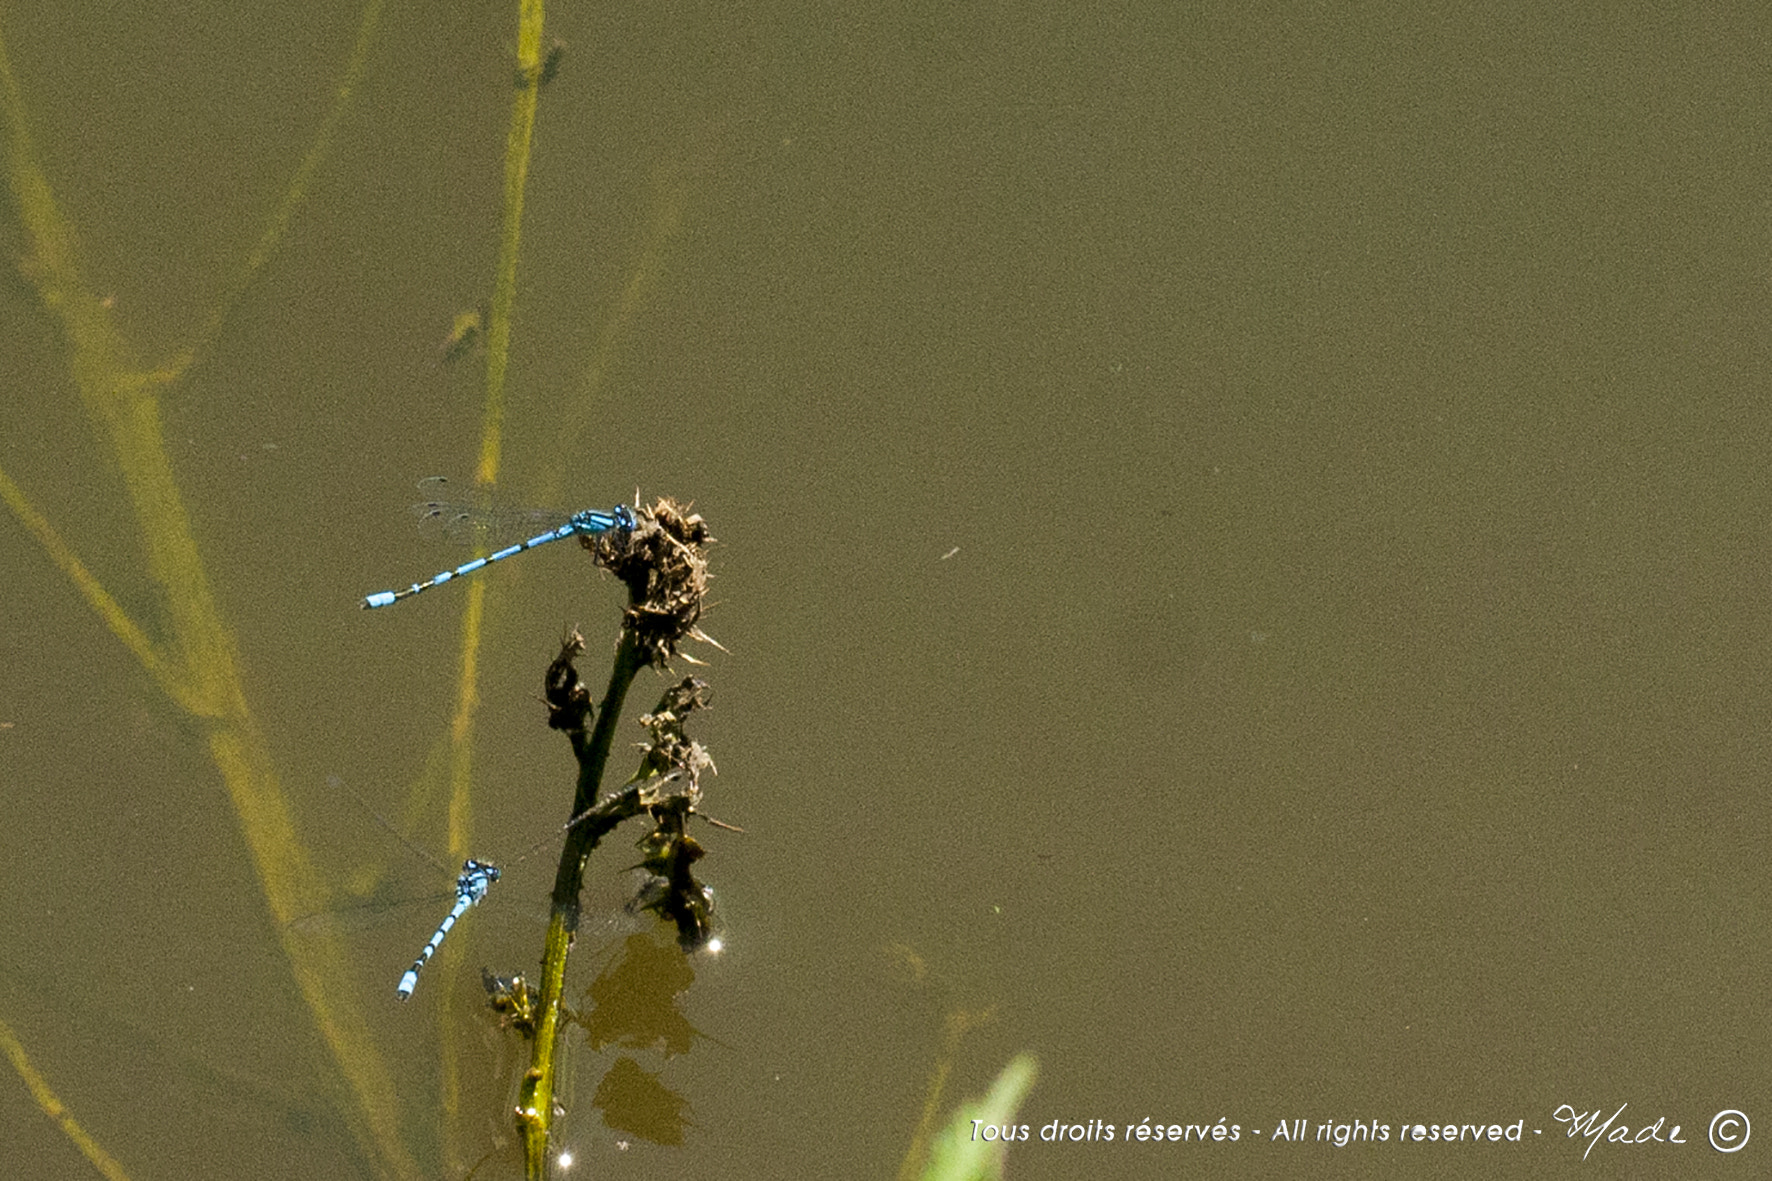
(536, 1103)
(504, 287)
(518, 140)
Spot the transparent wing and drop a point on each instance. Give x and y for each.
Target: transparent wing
(452, 511)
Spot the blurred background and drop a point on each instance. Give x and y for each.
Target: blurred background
(1243, 559)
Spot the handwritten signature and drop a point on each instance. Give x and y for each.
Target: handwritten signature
(1586, 1123)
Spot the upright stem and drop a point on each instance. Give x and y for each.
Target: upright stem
(504, 286)
(535, 1104)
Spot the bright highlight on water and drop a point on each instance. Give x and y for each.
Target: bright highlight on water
(581, 524)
